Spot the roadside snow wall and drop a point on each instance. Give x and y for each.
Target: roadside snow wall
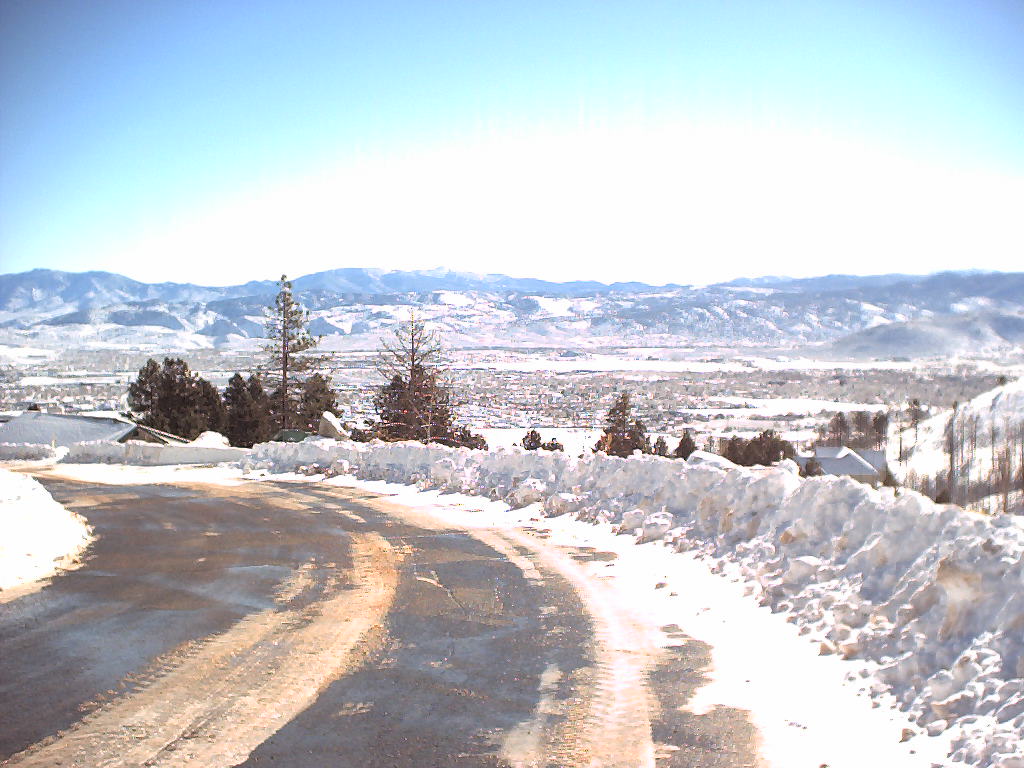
(37, 535)
(29, 452)
(930, 597)
(145, 454)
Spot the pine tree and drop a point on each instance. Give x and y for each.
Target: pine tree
(263, 418)
(623, 434)
(316, 397)
(287, 331)
(686, 446)
(172, 398)
(248, 420)
(211, 406)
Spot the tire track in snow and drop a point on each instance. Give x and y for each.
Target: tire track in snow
(609, 725)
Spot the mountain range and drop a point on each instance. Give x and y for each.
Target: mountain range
(950, 313)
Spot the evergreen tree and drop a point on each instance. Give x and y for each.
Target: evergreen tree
(531, 440)
(764, 450)
(623, 434)
(686, 446)
(212, 406)
(660, 447)
(287, 331)
(248, 412)
(172, 398)
(316, 397)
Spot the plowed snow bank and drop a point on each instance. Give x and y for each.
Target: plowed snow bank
(37, 535)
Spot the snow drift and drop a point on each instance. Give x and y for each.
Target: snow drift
(37, 535)
(930, 597)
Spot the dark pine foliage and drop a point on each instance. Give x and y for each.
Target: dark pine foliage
(172, 398)
(765, 449)
(316, 397)
(686, 446)
(288, 344)
(623, 434)
(249, 420)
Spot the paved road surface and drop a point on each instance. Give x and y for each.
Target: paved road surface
(311, 625)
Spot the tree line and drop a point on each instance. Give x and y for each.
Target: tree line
(625, 435)
(289, 391)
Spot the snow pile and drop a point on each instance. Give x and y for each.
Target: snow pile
(211, 440)
(37, 535)
(141, 453)
(30, 452)
(931, 598)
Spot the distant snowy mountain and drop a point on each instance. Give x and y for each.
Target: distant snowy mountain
(888, 314)
(974, 333)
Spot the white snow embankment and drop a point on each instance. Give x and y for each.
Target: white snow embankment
(30, 452)
(929, 597)
(139, 453)
(38, 536)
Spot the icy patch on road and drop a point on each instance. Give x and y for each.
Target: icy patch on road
(927, 599)
(38, 536)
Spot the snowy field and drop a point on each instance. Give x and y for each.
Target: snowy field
(38, 536)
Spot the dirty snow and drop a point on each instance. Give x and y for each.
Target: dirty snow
(38, 536)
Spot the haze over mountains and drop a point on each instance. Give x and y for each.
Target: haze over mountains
(873, 316)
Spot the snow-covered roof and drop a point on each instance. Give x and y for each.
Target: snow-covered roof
(62, 429)
(842, 461)
(829, 451)
(875, 458)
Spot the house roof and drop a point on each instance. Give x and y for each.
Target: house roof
(843, 461)
(875, 458)
(62, 428)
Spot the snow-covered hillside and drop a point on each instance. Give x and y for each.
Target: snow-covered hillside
(353, 307)
(987, 435)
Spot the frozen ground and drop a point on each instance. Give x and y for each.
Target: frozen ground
(38, 536)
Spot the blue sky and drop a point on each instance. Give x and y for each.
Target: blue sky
(691, 141)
